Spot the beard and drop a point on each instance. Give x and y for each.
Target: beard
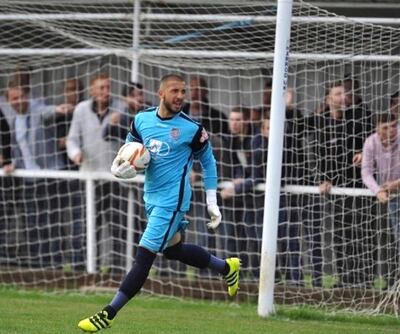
(170, 108)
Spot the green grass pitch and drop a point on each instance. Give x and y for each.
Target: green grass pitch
(42, 313)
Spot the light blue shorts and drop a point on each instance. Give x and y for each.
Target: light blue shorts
(162, 225)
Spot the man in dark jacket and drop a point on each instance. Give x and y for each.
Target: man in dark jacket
(213, 120)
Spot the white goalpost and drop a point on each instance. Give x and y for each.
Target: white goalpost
(62, 227)
(275, 154)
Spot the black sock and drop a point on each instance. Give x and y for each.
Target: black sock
(133, 281)
(218, 265)
(110, 311)
(189, 254)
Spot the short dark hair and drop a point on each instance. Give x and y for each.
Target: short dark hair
(131, 87)
(79, 86)
(98, 76)
(171, 76)
(21, 77)
(355, 83)
(337, 83)
(15, 83)
(245, 111)
(385, 117)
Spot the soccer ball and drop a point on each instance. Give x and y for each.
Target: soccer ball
(136, 153)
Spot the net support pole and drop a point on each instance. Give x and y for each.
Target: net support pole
(274, 165)
(135, 41)
(90, 228)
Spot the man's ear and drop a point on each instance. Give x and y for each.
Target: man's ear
(161, 94)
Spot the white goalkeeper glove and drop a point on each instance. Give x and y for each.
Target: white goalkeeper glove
(122, 169)
(213, 209)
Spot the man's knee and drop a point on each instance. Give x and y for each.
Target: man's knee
(174, 252)
(145, 257)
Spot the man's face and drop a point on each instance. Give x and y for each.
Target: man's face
(236, 123)
(351, 96)
(265, 128)
(255, 115)
(71, 92)
(135, 100)
(172, 95)
(18, 100)
(197, 92)
(336, 97)
(387, 132)
(100, 91)
(267, 97)
(395, 106)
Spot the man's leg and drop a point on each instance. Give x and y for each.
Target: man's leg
(130, 286)
(155, 234)
(198, 257)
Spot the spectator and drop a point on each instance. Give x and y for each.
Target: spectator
(327, 135)
(36, 144)
(85, 144)
(263, 112)
(134, 98)
(324, 145)
(21, 76)
(199, 108)
(237, 167)
(381, 174)
(87, 148)
(34, 147)
(118, 127)
(332, 148)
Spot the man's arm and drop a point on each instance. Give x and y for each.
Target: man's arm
(203, 151)
(73, 143)
(368, 166)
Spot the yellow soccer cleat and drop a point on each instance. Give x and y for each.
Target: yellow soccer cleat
(96, 322)
(232, 279)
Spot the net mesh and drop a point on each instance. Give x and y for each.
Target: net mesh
(337, 250)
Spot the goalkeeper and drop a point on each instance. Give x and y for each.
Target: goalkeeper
(173, 139)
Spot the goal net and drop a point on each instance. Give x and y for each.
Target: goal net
(72, 226)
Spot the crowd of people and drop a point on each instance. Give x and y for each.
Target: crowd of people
(340, 144)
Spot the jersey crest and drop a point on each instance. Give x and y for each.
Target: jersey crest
(175, 133)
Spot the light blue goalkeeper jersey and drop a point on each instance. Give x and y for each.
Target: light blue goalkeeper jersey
(173, 143)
